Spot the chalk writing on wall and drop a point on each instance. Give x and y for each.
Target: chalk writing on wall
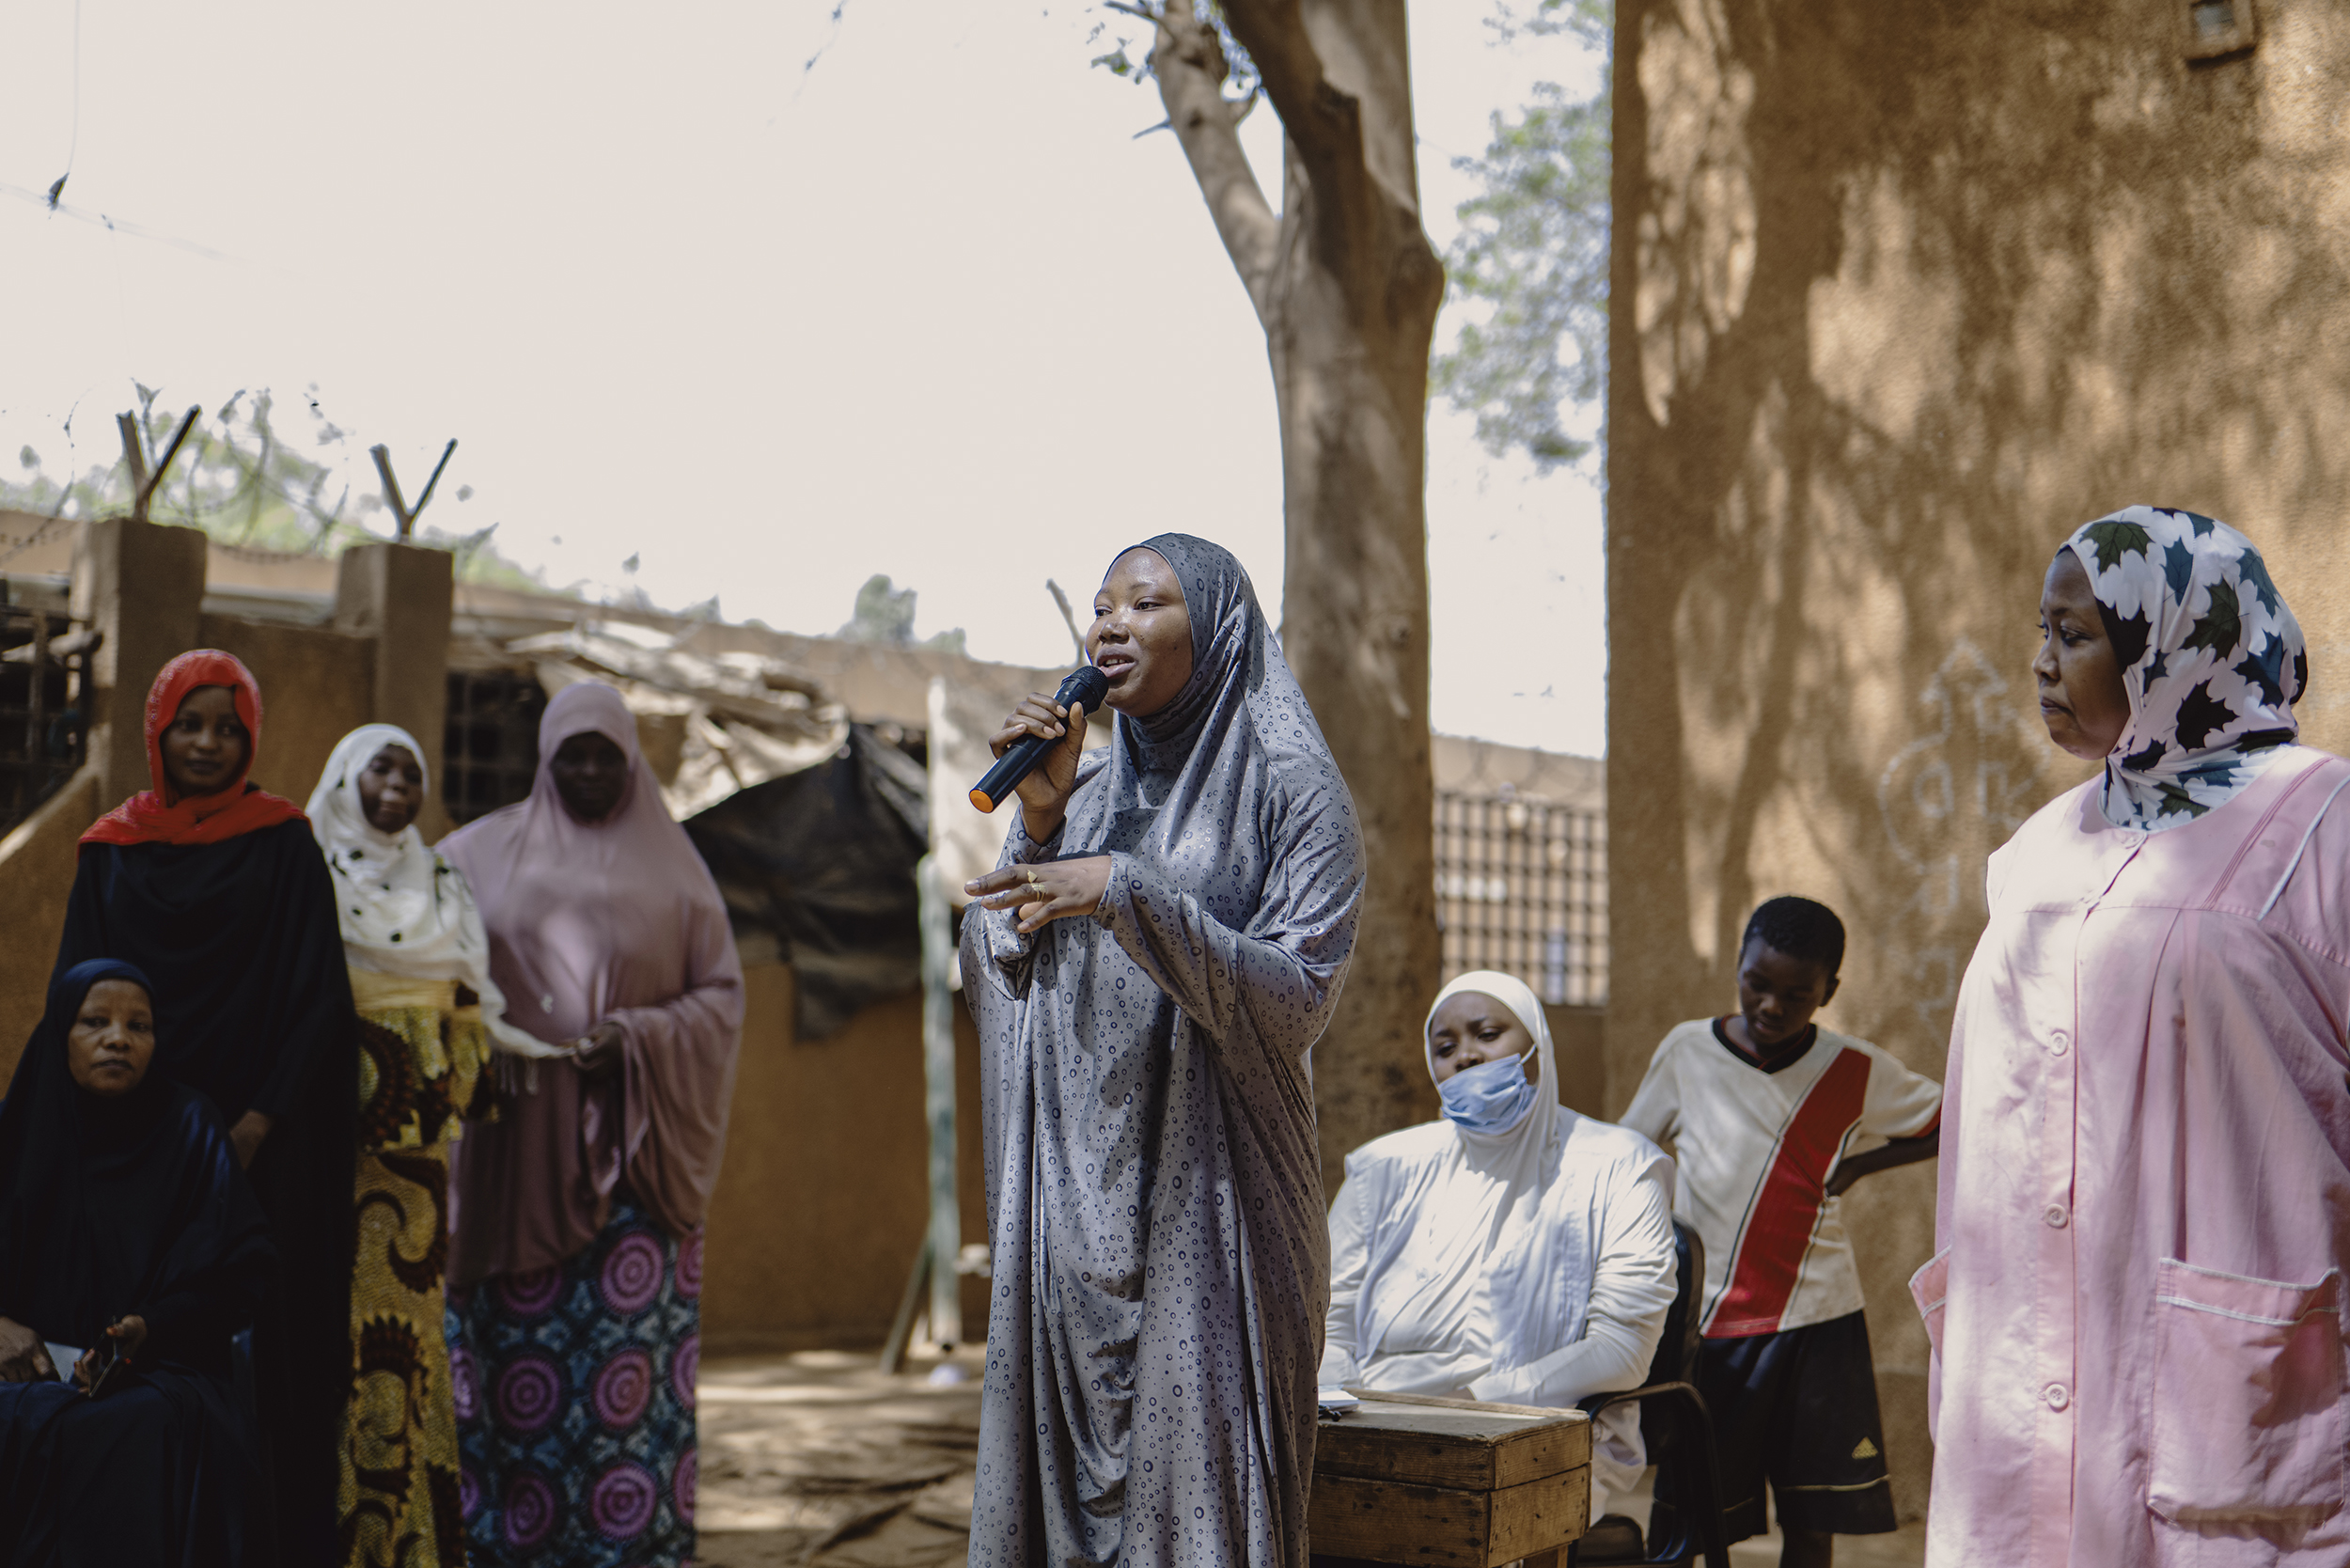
(1948, 799)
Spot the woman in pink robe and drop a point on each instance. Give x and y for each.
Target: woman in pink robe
(2144, 1209)
(575, 1226)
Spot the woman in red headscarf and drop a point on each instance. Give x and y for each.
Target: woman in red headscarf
(215, 888)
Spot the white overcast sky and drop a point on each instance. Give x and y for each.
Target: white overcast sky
(929, 308)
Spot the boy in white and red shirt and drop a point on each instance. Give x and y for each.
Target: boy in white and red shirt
(1771, 1118)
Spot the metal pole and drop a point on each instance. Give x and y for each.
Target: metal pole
(1069, 618)
(938, 1100)
(36, 696)
(133, 458)
(426, 499)
(163, 464)
(909, 1308)
(401, 516)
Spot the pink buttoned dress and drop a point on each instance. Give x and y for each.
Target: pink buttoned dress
(2144, 1209)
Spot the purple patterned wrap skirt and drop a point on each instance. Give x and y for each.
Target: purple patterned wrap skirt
(574, 1391)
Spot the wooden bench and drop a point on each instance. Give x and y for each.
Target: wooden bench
(1448, 1483)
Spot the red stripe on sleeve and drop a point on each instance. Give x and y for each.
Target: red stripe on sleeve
(1786, 1209)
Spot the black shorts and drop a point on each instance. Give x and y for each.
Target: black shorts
(1799, 1408)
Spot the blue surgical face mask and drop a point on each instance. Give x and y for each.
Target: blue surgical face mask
(1491, 1097)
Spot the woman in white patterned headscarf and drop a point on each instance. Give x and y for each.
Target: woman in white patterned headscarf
(1160, 946)
(2210, 658)
(2144, 1208)
(428, 1016)
(1511, 1250)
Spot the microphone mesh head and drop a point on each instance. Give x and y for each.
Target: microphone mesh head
(1087, 687)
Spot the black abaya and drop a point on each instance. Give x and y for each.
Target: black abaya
(110, 1207)
(240, 940)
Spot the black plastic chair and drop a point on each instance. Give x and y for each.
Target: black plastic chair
(1678, 1434)
(240, 1379)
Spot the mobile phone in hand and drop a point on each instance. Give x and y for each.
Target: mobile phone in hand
(104, 1367)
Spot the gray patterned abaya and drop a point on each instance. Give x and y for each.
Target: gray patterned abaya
(1154, 1191)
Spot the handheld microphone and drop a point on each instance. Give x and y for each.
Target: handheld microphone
(1085, 689)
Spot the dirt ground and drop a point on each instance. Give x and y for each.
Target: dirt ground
(1905, 1549)
(819, 1459)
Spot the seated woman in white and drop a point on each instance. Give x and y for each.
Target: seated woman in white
(1513, 1251)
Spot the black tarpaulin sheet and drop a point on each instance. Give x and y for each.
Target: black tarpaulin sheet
(822, 860)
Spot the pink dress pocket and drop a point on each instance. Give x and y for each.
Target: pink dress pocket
(1930, 1288)
(2249, 1398)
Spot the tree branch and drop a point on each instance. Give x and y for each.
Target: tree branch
(1349, 211)
(1189, 63)
(1322, 123)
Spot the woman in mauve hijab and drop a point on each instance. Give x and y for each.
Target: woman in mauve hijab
(214, 888)
(2145, 1212)
(1161, 944)
(576, 1244)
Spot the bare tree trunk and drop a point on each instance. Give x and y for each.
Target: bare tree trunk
(1347, 288)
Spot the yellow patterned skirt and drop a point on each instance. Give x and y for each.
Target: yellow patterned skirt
(422, 1052)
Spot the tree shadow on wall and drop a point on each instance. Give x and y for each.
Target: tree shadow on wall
(1901, 295)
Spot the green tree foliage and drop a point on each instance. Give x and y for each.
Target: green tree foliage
(1242, 83)
(237, 477)
(1533, 253)
(884, 614)
(244, 480)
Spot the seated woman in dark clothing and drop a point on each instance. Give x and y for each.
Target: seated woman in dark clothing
(126, 1232)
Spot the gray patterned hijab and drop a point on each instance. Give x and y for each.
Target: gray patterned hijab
(2212, 660)
(1239, 725)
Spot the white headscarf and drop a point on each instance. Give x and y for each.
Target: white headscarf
(1521, 1146)
(404, 909)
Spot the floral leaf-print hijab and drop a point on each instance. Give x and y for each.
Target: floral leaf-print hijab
(2212, 659)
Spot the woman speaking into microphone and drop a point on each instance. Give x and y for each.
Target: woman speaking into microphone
(1163, 940)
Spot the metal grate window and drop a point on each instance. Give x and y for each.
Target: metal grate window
(490, 750)
(1522, 888)
(41, 731)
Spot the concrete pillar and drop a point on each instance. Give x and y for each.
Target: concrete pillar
(401, 595)
(141, 585)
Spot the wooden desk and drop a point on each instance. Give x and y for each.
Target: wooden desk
(1448, 1483)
